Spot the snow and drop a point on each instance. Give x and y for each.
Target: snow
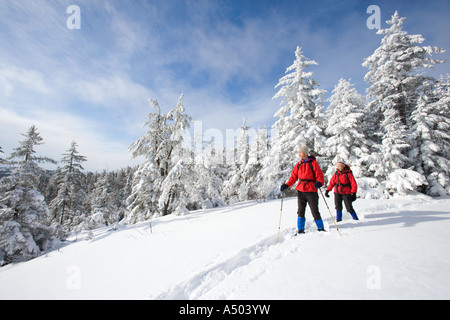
(399, 249)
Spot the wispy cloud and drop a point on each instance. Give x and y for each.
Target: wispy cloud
(14, 79)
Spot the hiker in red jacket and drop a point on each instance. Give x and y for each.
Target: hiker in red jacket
(311, 178)
(345, 188)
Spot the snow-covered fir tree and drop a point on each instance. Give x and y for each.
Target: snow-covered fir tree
(300, 115)
(70, 182)
(178, 188)
(299, 120)
(258, 185)
(396, 81)
(396, 70)
(210, 173)
(396, 168)
(235, 188)
(243, 145)
(105, 204)
(346, 139)
(431, 132)
(179, 191)
(253, 185)
(143, 201)
(162, 148)
(25, 228)
(25, 152)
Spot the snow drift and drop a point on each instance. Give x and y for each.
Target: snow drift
(398, 250)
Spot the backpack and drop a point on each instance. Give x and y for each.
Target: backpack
(342, 185)
(312, 170)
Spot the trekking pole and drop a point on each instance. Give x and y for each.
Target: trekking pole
(281, 211)
(332, 218)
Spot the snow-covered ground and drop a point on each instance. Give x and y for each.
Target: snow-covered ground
(400, 249)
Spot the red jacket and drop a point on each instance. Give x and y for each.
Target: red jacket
(302, 171)
(341, 183)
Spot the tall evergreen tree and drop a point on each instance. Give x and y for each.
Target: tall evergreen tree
(395, 70)
(143, 201)
(210, 176)
(236, 186)
(396, 81)
(258, 184)
(176, 194)
(162, 148)
(25, 152)
(431, 132)
(299, 119)
(70, 181)
(25, 229)
(346, 140)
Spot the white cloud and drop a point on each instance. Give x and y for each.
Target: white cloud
(58, 131)
(113, 92)
(12, 79)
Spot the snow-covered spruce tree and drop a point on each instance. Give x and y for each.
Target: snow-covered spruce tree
(25, 152)
(177, 195)
(431, 131)
(162, 148)
(235, 188)
(396, 168)
(396, 81)
(104, 202)
(210, 174)
(299, 120)
(179, 189)
(396, 70)
(25, 229)
(346, 140)
(243, 145)
(252, 184)
(146, 186)
(70, 181)
(258, 184)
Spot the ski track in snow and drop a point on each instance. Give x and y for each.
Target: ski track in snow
(218, 281)
(222, 279)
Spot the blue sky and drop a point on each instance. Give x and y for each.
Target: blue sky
(92, 85)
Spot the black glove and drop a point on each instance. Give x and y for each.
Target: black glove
(284, 186)
(327, 194)
(353, 196)
(317, 184)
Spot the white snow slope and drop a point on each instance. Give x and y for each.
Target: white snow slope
(398, 250)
